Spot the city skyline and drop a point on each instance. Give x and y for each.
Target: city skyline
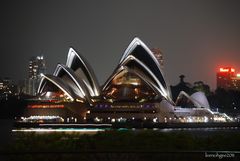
(99, 31)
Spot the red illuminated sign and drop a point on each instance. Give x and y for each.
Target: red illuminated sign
(45, 106)
(224, 70)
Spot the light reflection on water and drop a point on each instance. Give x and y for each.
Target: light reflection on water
(202, 132)
(61, 130)
(198, 131)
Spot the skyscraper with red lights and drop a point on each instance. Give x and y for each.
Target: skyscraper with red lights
(228, 79)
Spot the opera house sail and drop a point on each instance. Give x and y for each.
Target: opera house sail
(136, 90)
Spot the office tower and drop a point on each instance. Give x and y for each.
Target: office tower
(228, 79)
(37, 65)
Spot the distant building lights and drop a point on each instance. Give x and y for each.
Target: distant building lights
(219, 119)
(48, 94)
(205, 119)
(113, 120)
(42, 118)
(97, 119)
(190, 119)
(165, 119)
(155, 120)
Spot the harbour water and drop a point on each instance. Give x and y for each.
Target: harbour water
(194, 131)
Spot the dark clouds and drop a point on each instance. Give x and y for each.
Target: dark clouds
(196, 36)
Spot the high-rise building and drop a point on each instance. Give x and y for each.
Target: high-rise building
(228, 79)
(158, 54)
(37, 65)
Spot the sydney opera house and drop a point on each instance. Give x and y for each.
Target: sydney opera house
(135, 91)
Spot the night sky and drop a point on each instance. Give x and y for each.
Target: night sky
(196, 37)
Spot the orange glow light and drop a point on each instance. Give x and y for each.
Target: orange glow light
(45, 106)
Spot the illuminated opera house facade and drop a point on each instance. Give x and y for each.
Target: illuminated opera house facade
(135, 91)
